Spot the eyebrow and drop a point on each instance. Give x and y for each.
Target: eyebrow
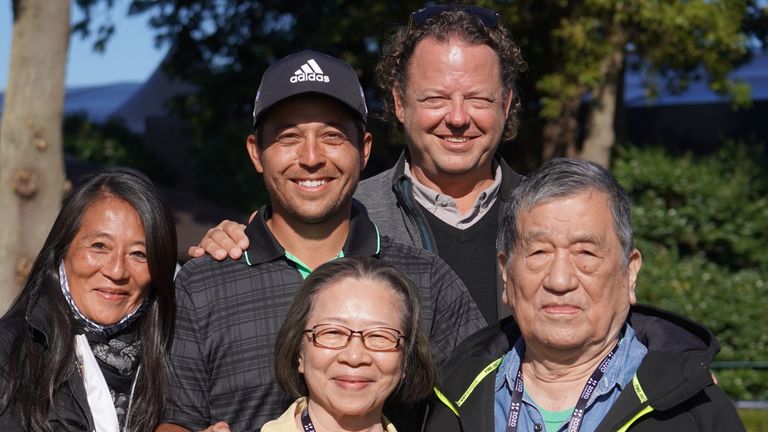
(97, 234)
(578, 238)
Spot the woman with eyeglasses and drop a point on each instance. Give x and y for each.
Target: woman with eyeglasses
(352, 340)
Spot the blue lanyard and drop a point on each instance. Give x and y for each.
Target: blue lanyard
(574, 424)
(306, 421)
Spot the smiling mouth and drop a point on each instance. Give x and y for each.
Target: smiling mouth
(559, 309)
(456, 139)
(312, 183)
(352, 382)
(112, 294)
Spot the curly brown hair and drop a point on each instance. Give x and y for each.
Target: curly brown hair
(391, 72)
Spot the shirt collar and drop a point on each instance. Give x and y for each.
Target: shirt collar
(363, 239)
(619, 373)
(433, 200)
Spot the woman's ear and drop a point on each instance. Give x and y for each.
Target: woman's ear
(301, 363)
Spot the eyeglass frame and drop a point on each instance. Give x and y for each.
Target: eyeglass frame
(489, 17)
(312, 336)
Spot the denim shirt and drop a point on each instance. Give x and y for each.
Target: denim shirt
(623, 366)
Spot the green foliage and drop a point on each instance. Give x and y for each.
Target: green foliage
(754, 420)
(702, 226)
(110, 143)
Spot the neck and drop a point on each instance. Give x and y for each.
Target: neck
(325, 421)
(462, 187)
(314, 243)
(555, 380)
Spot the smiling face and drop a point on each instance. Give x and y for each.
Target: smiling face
(565, 281)
(106, 263)
(352, 381)
(310, 158)
(453, 110)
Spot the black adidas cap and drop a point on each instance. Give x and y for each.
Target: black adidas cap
(309, 72)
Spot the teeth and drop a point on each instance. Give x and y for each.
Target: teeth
(456, 139)
(312, 183)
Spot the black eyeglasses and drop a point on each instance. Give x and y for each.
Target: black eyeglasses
(490, 18)
(336, 336)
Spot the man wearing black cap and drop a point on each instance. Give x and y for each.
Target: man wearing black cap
(448, 82)
(310, 144)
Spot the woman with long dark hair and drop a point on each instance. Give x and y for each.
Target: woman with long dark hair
(84, 345)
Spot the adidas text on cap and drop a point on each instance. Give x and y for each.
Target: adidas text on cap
(309, 72)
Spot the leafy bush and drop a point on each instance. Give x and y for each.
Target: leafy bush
(701, 223)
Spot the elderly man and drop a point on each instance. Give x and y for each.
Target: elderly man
(310, 145)
(448, 83)
(580, 355)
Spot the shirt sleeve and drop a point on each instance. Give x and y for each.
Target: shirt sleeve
(189, 402)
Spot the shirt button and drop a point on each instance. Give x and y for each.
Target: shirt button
(537, 427)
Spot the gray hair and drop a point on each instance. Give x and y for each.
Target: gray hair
(560, 178)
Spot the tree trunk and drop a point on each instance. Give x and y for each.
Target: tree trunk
(600, 134)
(560, 135)
(31, 163)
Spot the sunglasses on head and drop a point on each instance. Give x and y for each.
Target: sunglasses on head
(489, 18)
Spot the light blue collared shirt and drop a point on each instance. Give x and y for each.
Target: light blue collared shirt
(620, 372)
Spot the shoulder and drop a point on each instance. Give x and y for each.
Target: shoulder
(205, 272)
(286, 422)
(376, 192)
(409, 257)
(11, 327)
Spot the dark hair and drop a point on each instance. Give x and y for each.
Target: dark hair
(392, 70)
(35, 370)
(561, 177)
(420, 373)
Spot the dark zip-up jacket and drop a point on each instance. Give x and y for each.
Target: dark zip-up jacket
(72, 410)
(390, 204)
(672, 390)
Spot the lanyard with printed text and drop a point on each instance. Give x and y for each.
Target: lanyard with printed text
(578, 412)
(306, 421)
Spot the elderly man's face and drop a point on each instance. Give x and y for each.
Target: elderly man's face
(565, 282)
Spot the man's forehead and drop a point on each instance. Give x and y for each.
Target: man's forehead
(321, 109)
(581, 214)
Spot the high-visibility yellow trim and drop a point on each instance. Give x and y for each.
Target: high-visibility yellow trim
(642, 412)
(444, 399)
(488, 369)
(639, 389)
(643, 399)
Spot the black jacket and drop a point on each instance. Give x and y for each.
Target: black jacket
(72, 411)
(676, 392)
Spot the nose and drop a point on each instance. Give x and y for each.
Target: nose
(310, 154)
(115, 268)
(457, 114)
(561, 276)
(355, 353)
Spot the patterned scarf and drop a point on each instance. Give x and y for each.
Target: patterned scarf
(116, 348)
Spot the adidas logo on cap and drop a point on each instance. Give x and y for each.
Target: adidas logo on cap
(309, 71)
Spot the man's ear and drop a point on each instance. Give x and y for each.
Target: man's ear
(502, 262)
(508, 102)
(254, 153)
(399, 103)
(635, 263)
(365, 150)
